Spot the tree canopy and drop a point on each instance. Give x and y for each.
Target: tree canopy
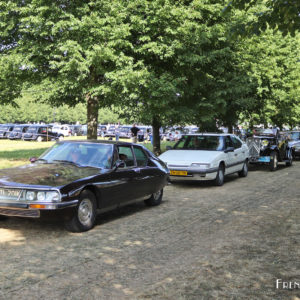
(160, 62)
(278, 14)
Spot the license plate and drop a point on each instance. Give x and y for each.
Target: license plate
(178, 173)
(8, 193)
(264, 159)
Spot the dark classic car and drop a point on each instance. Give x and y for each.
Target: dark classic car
(18, 132)
(5, 130)
(40, 133)
(270, 147)
(294, 143)
(76, 179)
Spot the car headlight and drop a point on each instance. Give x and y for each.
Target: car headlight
(264, 143)
(52, 196)
(43, 196)
(200, 166)
(30, 196)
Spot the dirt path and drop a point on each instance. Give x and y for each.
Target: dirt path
(203, 242)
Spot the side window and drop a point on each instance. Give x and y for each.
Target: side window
(228, 142)
(236, 143)
(125, 153)
(141, 158)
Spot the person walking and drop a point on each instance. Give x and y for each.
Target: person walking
(134, 130)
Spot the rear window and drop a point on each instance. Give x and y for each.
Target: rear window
(200, 142)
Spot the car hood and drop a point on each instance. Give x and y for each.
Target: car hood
(41, 174)
(186, 157)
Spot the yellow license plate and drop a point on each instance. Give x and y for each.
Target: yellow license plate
(178, 173)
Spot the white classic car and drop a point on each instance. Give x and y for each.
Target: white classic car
(207, 156)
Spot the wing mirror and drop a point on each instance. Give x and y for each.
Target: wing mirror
(33, 159)
(229, 149)
(119, 164)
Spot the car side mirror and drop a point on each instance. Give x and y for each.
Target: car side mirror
(229, 149)
(119, 164)
(33, 159)
(169, 148)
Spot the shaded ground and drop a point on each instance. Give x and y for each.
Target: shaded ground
(203, 242)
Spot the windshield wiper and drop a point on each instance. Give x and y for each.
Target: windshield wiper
(67, 161)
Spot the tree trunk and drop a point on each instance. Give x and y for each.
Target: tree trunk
(92, 117)
(156, 137)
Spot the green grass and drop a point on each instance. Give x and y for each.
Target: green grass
(17, 153)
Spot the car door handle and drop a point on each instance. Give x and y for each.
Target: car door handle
(235, 154)
(137, 170)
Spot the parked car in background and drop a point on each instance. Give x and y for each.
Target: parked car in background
(5, 130)
(77, 179)
(294, 142)
(143, 133)
(18, 132)
(40, 133)
(101, 130)
(207, 156)
(269, 146)
(110, 132)
(76, 130)
(125, 132)
(61, 130)
(84, 129)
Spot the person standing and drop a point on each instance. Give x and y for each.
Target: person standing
(134, 130)
(117, 131)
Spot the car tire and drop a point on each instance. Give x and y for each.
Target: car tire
(219, 181)
(84, 216)
(244, 171)
(273, 161)
(39, 139)
(290, 158)
(61, 138)
(155, 199)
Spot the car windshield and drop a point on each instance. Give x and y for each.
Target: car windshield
(125, 129)
(295, 136)
(32, 129)
(200, 142)
(83, 154)
(17, 129)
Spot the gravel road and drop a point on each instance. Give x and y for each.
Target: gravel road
(203, 242)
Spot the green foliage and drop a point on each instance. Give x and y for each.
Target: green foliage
(26, 110)
(280, 15)
(159, 62)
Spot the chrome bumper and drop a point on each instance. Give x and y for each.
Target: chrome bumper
(24, 210)
(195, 174)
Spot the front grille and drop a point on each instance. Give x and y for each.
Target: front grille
(28, 213)
(254, 146)
(11, 194)
(178, 166)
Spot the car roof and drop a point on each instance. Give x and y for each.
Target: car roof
(40, 125)
(208, 134)
(101, 142)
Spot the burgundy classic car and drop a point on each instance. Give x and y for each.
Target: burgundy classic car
(77, 179)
